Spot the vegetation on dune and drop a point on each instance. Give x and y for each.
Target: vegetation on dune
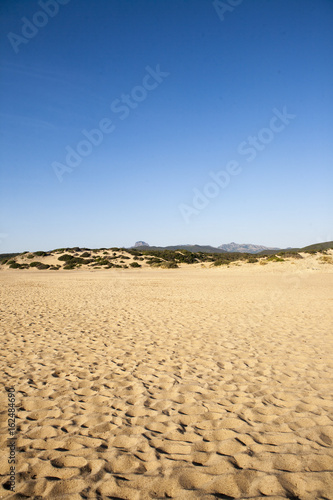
(72, 261)
(294, 255)
(274, 258)
(326, 259)
(165, 258)
(16, 265)
(317, 247)
(169, 265)
(135, 264)
(43, 266)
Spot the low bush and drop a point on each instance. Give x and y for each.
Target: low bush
(69, 266)
(102, 262)
(71, 260)
(274, 258)
(294, 255)
(15, 265)
(35, 264)
(252, 260)
(169, 265)
(135, 264)
(43, 266)
(154, 260)
(65, 257)
(326, 259)
(40, 254)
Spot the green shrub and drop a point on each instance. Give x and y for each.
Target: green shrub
(66, 257)
(40, 254)
(252, 260)
(169, 265)
(35, 264)
(69, 266)
(30, 256)
(4, 261)
(43, 266)
(135, 264)
(101, 262)
(294, 255)
(15, 265)
(274, 258)
(154, 260)
(10, 262)
(71, 260)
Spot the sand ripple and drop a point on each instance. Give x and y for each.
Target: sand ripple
(194, 384)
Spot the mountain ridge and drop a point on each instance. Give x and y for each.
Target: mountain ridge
(245, 247)
(225, 248)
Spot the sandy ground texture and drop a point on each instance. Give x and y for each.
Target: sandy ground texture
(187, 383)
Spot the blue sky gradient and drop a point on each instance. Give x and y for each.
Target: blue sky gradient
(224, 72)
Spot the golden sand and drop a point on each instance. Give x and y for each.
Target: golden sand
(185, 384)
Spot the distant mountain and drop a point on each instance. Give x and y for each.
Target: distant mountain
(232, 248)
(140, 244)
(189, 248)
(245, 248)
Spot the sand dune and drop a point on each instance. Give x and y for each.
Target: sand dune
(187, 383)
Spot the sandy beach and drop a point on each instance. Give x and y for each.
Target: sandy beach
(190, 383)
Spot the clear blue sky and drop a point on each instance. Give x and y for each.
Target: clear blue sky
(180, 88)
